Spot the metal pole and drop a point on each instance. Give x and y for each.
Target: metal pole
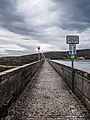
(38, 53)
(72, 70)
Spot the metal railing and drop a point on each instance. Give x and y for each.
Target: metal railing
(68, 79)
(81, 86)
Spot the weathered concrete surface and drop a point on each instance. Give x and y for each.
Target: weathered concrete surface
(13, 80)
(47, 98)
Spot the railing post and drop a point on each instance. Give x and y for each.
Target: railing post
(72, 71)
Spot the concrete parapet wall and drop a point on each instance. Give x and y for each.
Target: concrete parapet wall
(12, 80)
(81, 81)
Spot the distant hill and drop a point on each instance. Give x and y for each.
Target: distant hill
(85, 53)
(56, 55)
(19, 60)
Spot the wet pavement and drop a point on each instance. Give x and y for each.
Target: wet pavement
(47, 98)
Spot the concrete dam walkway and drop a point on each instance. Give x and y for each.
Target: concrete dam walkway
(47, 98)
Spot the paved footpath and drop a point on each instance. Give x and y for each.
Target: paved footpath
(47, 98)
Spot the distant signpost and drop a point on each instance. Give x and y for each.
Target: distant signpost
(72, 40)
(38, 53)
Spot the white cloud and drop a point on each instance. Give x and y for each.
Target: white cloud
(12, 47)
(44, 47)
(38, 12)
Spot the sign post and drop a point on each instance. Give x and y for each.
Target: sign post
(72, 41)
(38, 53)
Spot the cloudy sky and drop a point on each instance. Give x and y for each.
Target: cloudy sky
(27, 24)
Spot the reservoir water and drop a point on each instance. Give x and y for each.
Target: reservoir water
(79, 64)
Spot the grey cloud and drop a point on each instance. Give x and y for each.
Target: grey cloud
(84, 45)
(8, 13)
(11, 19)
(76, 12)
(18, 53)
(14, 53)
(29, 49)
(71, 15)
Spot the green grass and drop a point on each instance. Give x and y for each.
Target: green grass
(3, 66)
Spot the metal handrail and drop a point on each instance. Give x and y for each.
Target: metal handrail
(82, 77)
(78, 75)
